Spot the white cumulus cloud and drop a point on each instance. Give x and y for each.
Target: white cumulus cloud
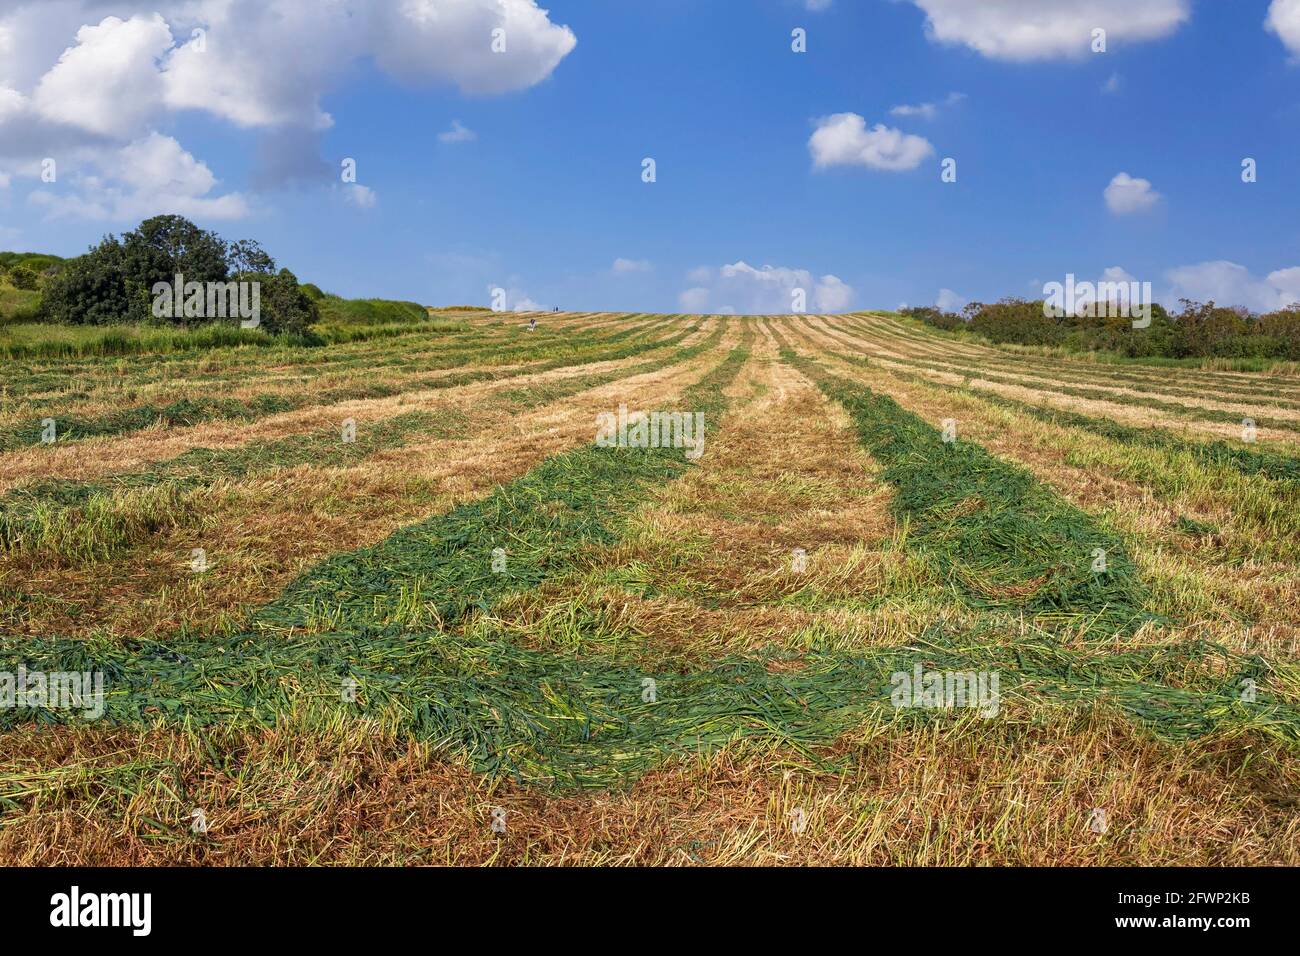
(151, 176)
(1127, 195)
(844, 140)
(950, 301)
(741, 288)
(1021, 30)
(81, 85)
(1229, 284)
(108, 82)
(1284, 20)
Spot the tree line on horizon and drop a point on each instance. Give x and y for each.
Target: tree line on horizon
(1198, 330)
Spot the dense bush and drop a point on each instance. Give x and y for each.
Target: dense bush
(1200, 330)
(114, 281)
(91, 289)
(286, 308)
(1282, 329)
(948, 321)
(24, 278)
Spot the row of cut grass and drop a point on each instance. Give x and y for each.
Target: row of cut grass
(193, 411)
(81, 522)
(1005, 540)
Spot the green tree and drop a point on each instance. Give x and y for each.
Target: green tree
(114, 281)
(286, 308)
(245, 256)
(1282, 329)
(91, 289)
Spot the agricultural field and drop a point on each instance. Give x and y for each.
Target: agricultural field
(398, 601)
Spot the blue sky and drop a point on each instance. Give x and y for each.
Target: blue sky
(545, 192)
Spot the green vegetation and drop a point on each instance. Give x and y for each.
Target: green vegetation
(1247, 461)
(1199, 331)
(17, 306)
(1003, 539)
(114, 283)
(80, 522)
(46, 341)
(101, 304)
(728, 632)
(389, 621)
(338, 311)
(24, 278)
(21, 276)
(546, 353)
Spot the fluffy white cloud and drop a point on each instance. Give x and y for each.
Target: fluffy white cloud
(844, 140)
(12, 104)
(451, 40)
(625, 266)
(79, 85)
(108, 82)
(771, 290)
(1228, 283)
(157, 162)
(1284, 20)
(511, 298)
(415, 41)
(148, 177)
(950, 301)
(459, 133)
(1048, 29)
(1127, 195)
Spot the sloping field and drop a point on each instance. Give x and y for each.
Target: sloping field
(906, 601)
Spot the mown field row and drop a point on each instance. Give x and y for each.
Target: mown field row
(634, 655)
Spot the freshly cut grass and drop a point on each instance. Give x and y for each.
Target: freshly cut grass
(100, 527)
(182, 413)
(437, 571)
(1003, 539)
(193, 411)
(772, 690)
(269, 526)
(355, 794)
(82, 522)
(557, 720)
(1221, 454)
(28, 514)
